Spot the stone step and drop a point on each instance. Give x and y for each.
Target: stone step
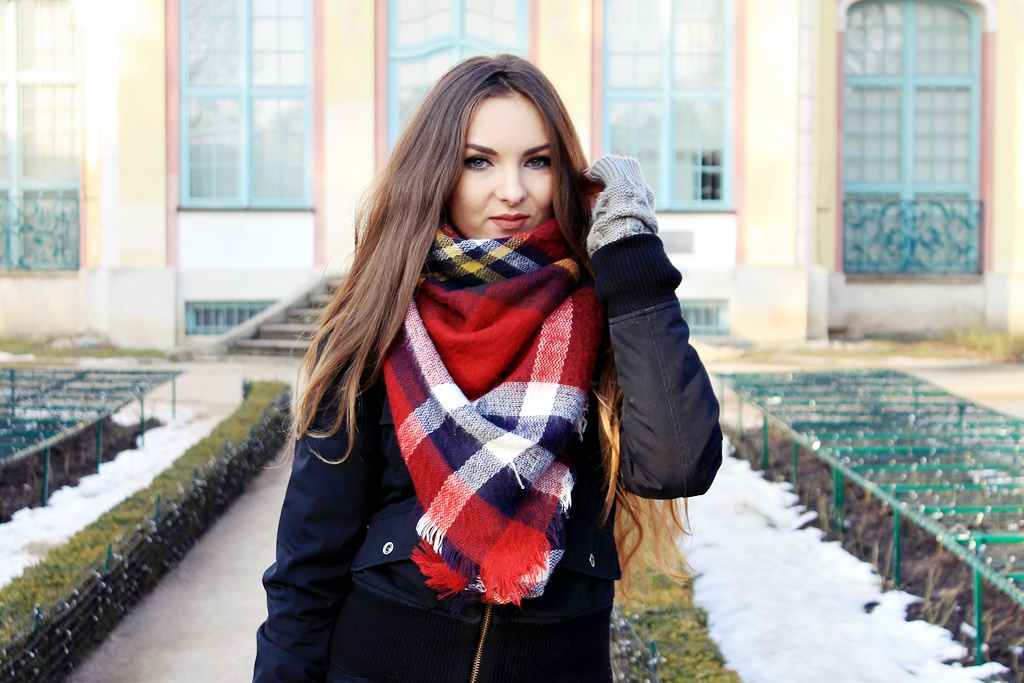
(320, 300)
(286, 331)
(304, 315)
(294, 348)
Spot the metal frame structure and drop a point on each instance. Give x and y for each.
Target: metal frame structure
(40, 408)
(947, 464)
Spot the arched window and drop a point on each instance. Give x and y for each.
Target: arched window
(910, 137)
(246, 103)
(425, 37)
(668, 96)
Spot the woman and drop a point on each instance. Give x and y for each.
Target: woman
(450, 516)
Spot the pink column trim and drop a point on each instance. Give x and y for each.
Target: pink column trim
(380, 72)
(840, 80)
(319, 205)
(172, 116)
(597, 80)
(986, 189)
(739, 126)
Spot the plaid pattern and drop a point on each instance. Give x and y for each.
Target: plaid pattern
(488, 383)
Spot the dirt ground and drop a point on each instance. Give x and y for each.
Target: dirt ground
(21, 483)
(944, 583)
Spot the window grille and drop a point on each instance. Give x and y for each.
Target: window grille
(217, 317)
(911, 127)
(706, 318)
(39, 135)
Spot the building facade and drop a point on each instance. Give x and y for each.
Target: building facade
(169, 168)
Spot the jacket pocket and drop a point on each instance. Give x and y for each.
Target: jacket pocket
(390, 537)
(590, 550)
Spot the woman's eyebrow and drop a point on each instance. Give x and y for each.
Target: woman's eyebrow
(488, 150)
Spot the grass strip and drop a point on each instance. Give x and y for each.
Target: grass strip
(996, 346)
(45, 348)
(662, 610)
(65, 567)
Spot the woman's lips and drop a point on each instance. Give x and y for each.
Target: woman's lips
(510, 222)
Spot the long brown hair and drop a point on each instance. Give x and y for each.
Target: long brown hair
(395, 228)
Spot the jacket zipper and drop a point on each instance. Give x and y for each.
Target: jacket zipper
(484, 627)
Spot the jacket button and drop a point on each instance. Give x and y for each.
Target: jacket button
(592, 561)
(389, 546)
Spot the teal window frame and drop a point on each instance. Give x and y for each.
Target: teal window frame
(667, 96)
(245, 94)
(706, 317)
(907, 188)
(457, 44)
(218, 317)
(39, 214)
(904, 225)
(13, 183)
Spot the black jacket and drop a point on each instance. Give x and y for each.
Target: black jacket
(353, 522)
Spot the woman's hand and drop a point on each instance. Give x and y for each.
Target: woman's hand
(591, 188)
(622, 205)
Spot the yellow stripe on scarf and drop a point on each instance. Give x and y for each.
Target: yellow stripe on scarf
(478, 267)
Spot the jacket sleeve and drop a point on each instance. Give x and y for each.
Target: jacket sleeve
(671, 442)
(323, 523)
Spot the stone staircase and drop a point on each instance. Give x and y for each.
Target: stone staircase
(292, 334)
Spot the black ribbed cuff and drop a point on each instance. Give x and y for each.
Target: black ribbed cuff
(633, 274)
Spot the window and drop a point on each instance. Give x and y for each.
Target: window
(910, 137)
(217, 317)
(425, 37)
(246, 105)
(706, 318)
(668, 97)
(39, 135)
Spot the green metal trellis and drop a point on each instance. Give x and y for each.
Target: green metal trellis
(40, 407)
(949, 465)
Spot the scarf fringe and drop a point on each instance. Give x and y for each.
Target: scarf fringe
(565, 498)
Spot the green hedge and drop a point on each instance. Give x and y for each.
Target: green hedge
(662, 611)
(79, 591)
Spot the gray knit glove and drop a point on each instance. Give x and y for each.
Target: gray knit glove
(626, 205)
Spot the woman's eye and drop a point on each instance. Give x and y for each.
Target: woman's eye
(538, 162)
(476, 162)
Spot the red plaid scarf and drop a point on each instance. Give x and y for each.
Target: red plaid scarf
(488, 383)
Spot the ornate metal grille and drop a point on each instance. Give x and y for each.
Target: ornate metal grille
(39, 233)
(922, 236)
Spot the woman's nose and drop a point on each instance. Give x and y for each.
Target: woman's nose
(511, 190)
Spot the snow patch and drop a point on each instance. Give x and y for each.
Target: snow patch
(784, 605)
(32, 532)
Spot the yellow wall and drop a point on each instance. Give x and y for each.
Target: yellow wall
(142, 157)
(1009, 141)
(564, 45)
(770, 132)
(826, 137)
(90, 181)
(348, 120)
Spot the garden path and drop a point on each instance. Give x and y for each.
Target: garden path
(199, 624)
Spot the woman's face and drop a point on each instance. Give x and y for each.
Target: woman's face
(506, 183)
